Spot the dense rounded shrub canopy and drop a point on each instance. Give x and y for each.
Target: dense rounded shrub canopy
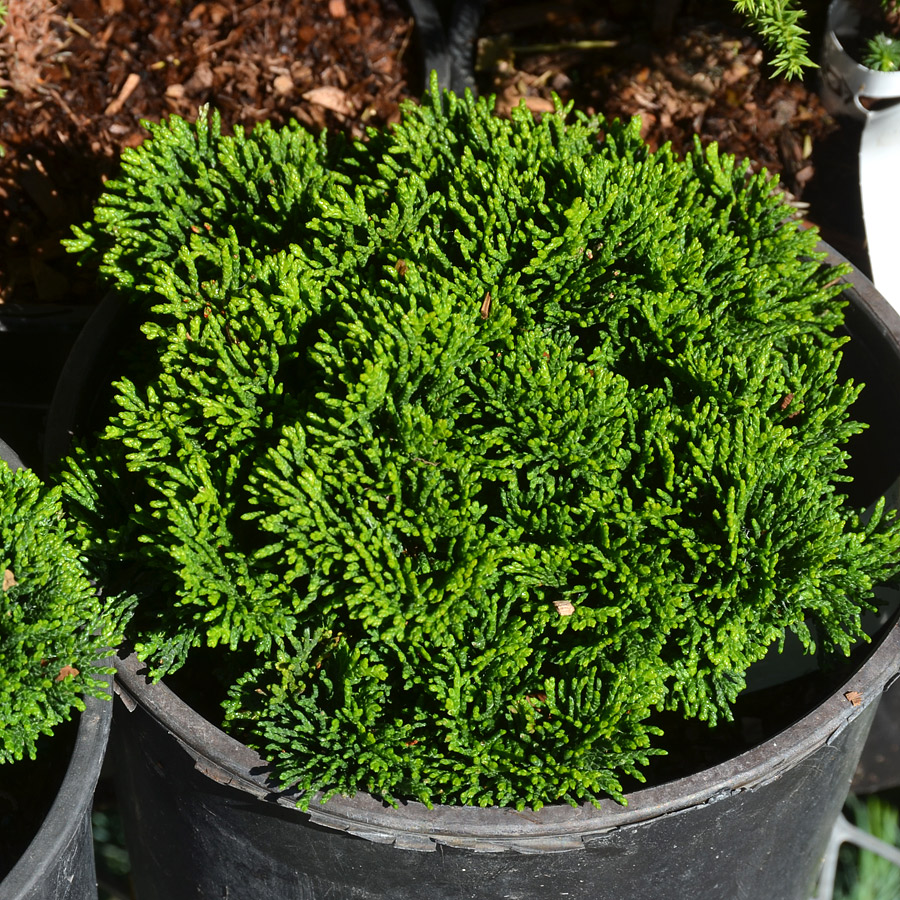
(52, 631)
(472, 444)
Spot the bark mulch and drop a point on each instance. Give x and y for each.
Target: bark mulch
(80, 75)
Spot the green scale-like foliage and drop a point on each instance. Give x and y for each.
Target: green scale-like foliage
(52, 628)
(474, 443)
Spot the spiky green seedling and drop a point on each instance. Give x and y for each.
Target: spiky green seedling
(882, 54)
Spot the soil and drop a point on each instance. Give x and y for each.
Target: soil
(81, 75)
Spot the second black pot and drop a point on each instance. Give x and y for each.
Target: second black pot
(58, 863)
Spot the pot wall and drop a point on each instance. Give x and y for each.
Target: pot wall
(191, 836)
(201, 823)
(59, 862)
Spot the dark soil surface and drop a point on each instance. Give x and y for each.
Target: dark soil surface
(80, 75)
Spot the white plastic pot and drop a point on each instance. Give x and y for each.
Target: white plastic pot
(847, 86)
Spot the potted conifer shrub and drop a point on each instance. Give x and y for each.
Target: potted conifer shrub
(52, 634)
(457, 474)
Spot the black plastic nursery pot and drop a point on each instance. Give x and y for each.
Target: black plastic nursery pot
(58, 862)
(202, 820)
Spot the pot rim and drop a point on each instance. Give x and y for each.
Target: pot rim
(554, 827)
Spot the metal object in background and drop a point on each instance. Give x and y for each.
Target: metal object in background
(448, 31)
(845, 833)
(879, 766)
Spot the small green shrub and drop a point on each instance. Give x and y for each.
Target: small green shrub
(52, 630)
(882, 54)
(471, 445)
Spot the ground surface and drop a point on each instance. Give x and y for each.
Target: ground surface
(80, 75)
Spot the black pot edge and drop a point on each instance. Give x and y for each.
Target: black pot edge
(74, 378)
(881, 315)
(76, 793)
(72, 803)
(229, 762)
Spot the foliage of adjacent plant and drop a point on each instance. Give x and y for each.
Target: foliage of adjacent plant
(777, 22)
(883, 54)
(470, 445)
(864, 875)
(52, 630)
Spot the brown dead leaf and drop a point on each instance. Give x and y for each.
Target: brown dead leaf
(332, 98)
(486, 305)
(201, 80)
(855, 698)
(9, 580)
(66, 672)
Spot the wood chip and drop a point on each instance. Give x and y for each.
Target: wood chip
(332, 98)
(855, 698)
(131, 83)
(564, 607)
(486, 305)
(202, 79)
(539, 104)
(9, 580)
(218, 13)
(337, 9)
(283, 84)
